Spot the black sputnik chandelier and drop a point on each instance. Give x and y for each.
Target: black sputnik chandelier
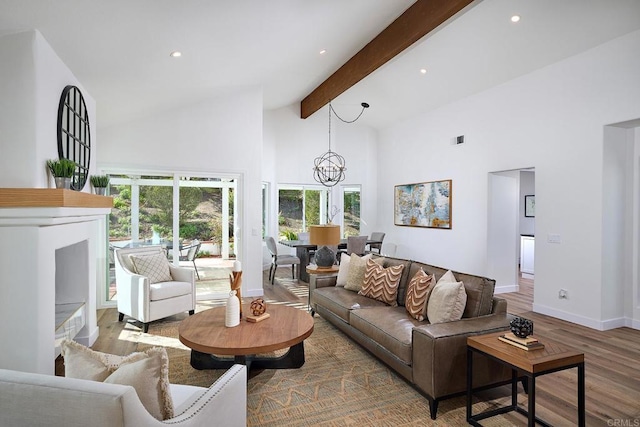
(328, 169)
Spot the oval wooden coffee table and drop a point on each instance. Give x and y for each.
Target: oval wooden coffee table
(207, 337)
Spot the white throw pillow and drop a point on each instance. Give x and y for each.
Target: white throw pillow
(155, 267)
(343, 272)
(447, 300)
(147, 372)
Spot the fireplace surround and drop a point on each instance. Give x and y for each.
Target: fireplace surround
(48, 251)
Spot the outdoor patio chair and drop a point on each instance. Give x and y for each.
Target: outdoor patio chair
(192, 253)
(149, 287)
(279, 260)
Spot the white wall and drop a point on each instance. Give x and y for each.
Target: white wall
(551, 119)
(32, 78)
(292, 143)
(221, 135)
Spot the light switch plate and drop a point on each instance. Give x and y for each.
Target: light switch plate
(554, 238)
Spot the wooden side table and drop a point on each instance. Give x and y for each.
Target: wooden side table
(315, 272)
(530, 364)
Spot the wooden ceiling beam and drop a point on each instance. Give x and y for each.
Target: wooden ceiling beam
(417, 21)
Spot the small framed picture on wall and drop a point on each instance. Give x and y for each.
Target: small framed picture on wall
(530, 206)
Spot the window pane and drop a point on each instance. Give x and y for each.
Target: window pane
(311, 208)
(290, 207)
(351, 218)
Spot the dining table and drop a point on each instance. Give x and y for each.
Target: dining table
(304, 248)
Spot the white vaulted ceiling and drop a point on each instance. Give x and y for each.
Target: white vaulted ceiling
(120, 49)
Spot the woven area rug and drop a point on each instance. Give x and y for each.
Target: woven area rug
(340, 384)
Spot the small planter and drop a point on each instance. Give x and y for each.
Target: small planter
(62, 171)
(100, 184)
(62, 182)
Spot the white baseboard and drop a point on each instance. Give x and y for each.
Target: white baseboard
(505, 289)
(600, 325)
(88, 340)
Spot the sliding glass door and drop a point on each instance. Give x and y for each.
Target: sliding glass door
(177, 211)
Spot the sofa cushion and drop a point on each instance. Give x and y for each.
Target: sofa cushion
(147, 372)
(418, 291)
(390, 327)
(447, 300)
(479, 289)
(155, 267)
(357, 268)
(340, 301)
(382, 283)
(165, 290)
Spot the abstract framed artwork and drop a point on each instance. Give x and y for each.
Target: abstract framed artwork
(426, 204)
(530, 206)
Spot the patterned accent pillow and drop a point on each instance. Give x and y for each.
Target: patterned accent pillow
(418, 291)
(382, 283)
(447, 300)
(155, 267)
(147, 372)
(357, 268)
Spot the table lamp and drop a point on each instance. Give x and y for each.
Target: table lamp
(323, 236)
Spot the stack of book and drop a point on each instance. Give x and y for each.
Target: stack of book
(528, 343)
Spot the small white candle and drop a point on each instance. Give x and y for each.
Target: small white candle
(237, 266)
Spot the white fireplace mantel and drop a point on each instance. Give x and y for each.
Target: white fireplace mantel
(48, 241)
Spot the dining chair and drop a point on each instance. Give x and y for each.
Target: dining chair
(305, 238)
(280, 260)
(355, 245)
(379, 237)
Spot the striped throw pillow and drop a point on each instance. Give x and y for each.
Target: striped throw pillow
(382, 283)
(418, 291)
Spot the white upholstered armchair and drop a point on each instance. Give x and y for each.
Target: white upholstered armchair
(149, 287)
(45, 400)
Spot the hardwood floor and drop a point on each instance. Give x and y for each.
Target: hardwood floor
(612, 360)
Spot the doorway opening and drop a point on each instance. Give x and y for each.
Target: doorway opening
(511, 228)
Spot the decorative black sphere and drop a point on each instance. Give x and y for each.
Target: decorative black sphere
(521, 327)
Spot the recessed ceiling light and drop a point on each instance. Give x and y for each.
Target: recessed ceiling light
(175, 54)
(515, 18)
(423, 70)
(323, 51)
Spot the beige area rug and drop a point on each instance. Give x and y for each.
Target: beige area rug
(340, 384)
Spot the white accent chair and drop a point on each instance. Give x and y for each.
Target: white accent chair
(146, 302)
(30, 399)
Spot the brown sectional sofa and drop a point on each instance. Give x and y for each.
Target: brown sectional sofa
(431, 357)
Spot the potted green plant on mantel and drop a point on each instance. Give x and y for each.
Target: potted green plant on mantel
(62, 171)
(100, 184)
